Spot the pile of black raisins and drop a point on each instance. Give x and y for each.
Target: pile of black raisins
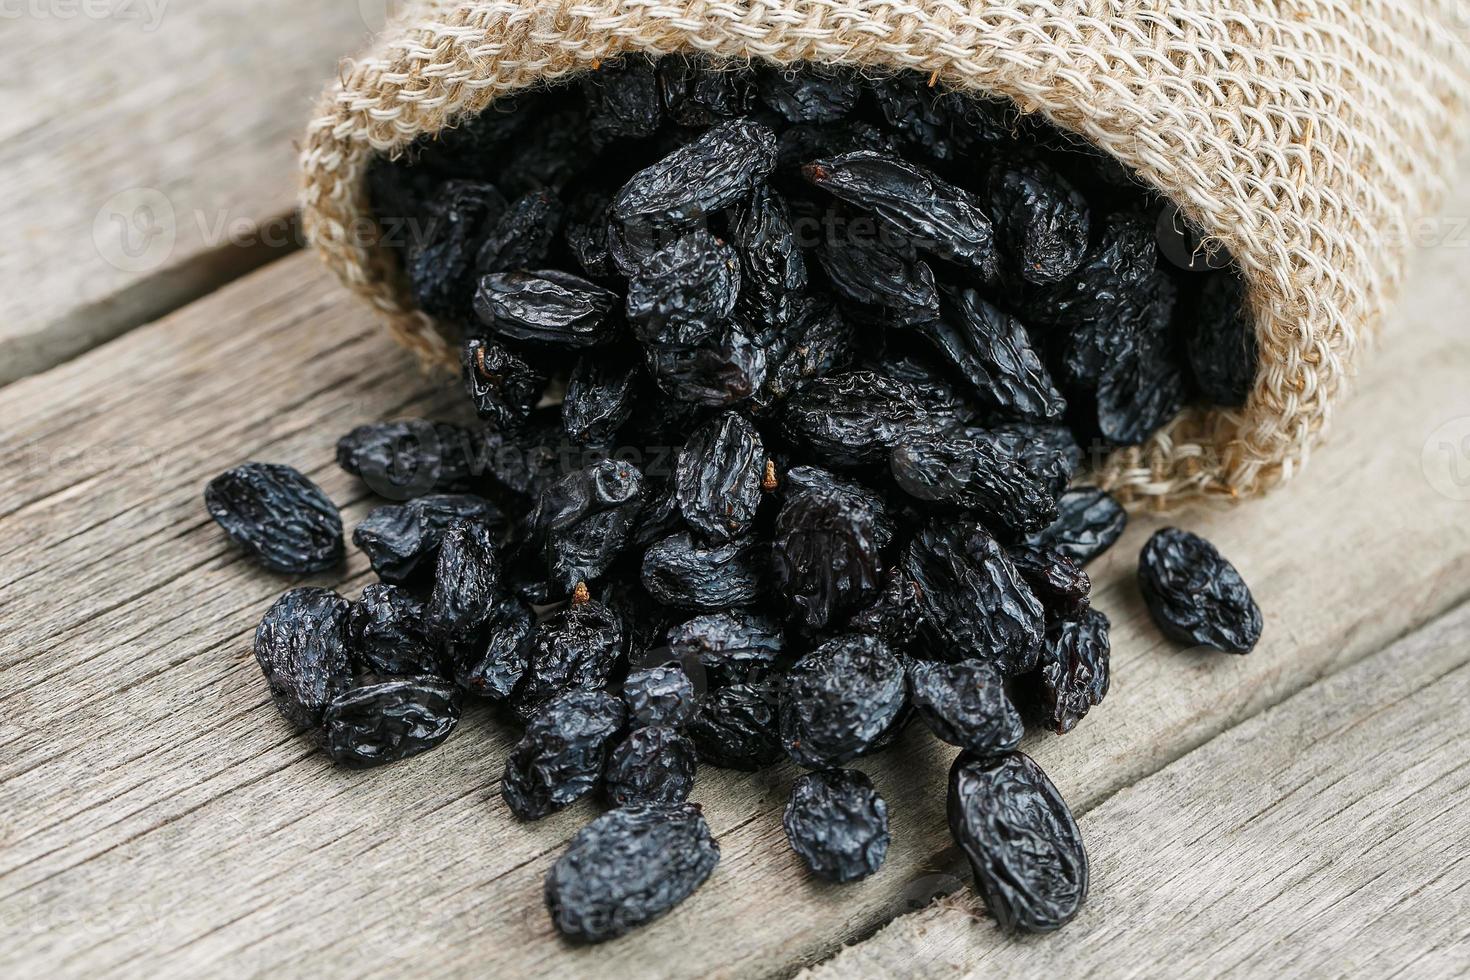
(782, 381)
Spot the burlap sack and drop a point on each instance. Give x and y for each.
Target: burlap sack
(1305, 135)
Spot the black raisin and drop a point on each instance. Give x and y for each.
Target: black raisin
(838, 823)
(579, 647)
(652, 765)
(1021, 841)
(548, 307)
(301, 646)
(966, 704)
(1074, 669)
(389, 634)
(659, 696)
(839, 699)
(627, 868)
(1088, 522)
(503, 386)
(560, 757)
(736, 727)
(281, 519)
(1195, 595)
(466, 580)
(409, 458)
(718, 480)
(679, 572)
(381, 723)
(730, 647)
(402, 540)
(491, 664)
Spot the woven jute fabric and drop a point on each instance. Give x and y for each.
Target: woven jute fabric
(1306, 136)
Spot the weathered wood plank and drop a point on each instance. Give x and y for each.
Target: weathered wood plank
(148, 157)
(157, 816)
(1323, 837)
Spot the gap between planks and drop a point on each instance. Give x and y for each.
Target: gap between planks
(220, 844)
(1324, 836)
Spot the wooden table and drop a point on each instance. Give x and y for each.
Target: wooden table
(1301, 809)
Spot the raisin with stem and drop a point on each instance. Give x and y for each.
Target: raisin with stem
(1088, 522)
(561, 755)
(839, 699)
(376, 724)
(966, 704)
(1195, 596)
(1020, 839)
(628, 867)
(280, 518)
(652, 765)
(301, 646)
(718, 479)
(836, 821)
(503, 386)
(577, 648)
(548, 307)
(1074, 669)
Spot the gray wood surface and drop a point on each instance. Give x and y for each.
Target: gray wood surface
(158, 817)
(1324, 837)
(147, 156)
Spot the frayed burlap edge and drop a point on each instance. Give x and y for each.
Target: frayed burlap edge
(1305, 137)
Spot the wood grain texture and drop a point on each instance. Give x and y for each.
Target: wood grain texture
(157, 816)
(1323, 837)
(128, 190)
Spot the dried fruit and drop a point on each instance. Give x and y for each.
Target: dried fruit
(1195, 596)
(730, 647)
(548, 307)
(966, 704)
(854, 419)
(301, 646)
(1020, 839)
(1042, 221)
(718, 480)
(1074, 669)
(976, 605)
(600, 397)
(281, 519)
(710, 173)
(963, 471)
(736, 727)
(1088, 522)
(582, 522)
(1222, 341)
(838, 824)
(993, 352)
(931, 213)
(410, 458)
(466, 580)
(839, 700)
(560, 757)
(659, 696)
(376, 724)
(683, 293)
(389, 635)
(827, 557)
(402, 540)
(679, 572)
(1056, 580)
(651, 765)
(491, 664)
(503, 386)
(627, 868)
(577, 648)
